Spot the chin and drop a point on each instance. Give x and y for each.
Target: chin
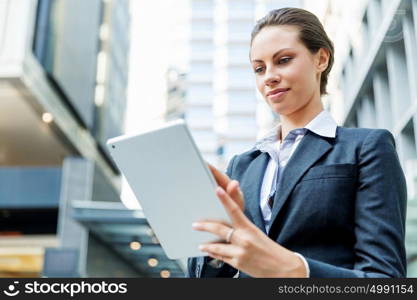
(280, 109)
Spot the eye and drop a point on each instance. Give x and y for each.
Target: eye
(284, 60)
(258, 69)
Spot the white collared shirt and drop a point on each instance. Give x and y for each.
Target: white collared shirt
(323, 124)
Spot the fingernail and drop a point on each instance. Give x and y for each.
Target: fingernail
(195, 225)
(220, 191)
(201, 248)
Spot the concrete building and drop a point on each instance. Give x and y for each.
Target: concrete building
(63, 77)
(176, 91)
(375, 81)
(199, 98)
(234, 86)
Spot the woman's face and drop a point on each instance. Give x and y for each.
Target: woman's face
(287, 73)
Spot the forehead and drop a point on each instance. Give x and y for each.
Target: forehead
(273, 38)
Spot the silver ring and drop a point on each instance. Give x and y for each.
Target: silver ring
(229, 235)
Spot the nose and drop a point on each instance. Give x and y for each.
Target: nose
(272, 77)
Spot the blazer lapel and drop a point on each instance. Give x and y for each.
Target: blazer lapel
(310, 149)
(251, 185)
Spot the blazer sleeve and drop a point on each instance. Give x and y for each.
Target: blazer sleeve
(198, 266)
(380, 210)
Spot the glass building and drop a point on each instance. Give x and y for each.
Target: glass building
(63, 79)
(377, 80)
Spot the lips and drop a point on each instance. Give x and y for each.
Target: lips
(277, 93)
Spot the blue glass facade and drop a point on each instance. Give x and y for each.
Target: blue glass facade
(22, 187)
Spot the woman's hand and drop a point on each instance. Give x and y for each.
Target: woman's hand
(249, 249)
(231, 186)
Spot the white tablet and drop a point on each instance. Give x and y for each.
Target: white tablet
(172, 183)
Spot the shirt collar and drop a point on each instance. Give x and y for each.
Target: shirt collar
(323, 124)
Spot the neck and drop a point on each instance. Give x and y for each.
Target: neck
(301, 117)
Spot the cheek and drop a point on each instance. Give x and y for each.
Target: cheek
(260, 85)
(301, 76)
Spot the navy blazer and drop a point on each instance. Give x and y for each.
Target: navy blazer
(341, 203)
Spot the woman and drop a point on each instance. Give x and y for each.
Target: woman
(319, 200)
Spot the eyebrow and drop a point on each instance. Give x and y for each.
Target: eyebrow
(275, 54)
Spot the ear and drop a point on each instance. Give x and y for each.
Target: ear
(322, 59)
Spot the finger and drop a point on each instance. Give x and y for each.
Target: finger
(228, 260)
(221, 178)
(232, 186)
(236, 194)
(225, 251)
(232, 208)
(225, 223)
(216, 228)
(222, 258)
